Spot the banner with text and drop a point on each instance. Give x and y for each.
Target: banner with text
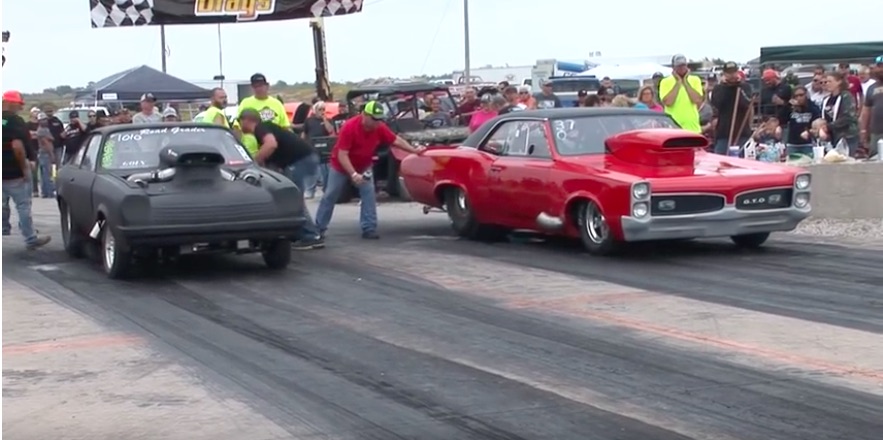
(119, 13)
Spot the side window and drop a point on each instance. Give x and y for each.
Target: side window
(500, 140)
(78, 159)
(91, 154)
(528, 139)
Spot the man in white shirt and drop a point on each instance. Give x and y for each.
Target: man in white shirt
(148, 113)
(864, 74)
(817, 90)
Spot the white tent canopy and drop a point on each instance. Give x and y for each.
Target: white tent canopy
(626, 71)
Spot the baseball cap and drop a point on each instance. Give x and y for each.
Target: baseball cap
(169, 112)
(658, 75)
(258, 78)
(582, 93)
(375, 110)
(101, 113)
(679, 60)
(730, 67)
(547, 82)
(770, 74)
(879, 60)
(148, 97)
(13, 96)
(73, 114)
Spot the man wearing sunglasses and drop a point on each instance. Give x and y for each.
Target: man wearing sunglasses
(73, 136)
(351, 161)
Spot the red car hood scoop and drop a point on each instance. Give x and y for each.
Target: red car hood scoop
(656, 147)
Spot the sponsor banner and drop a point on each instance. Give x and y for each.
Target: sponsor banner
(122, 13)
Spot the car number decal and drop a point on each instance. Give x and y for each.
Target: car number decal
(562, 128)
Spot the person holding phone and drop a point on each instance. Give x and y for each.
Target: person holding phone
(682, 94)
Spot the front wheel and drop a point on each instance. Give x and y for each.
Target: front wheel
(463, 220)
(594, 230)
(277, 254)
(750, 241)
(115, 258)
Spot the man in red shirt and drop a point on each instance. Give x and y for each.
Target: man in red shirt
(351, 161)
(855, 85)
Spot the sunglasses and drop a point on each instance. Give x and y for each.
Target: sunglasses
(799, 95)
(91, 115)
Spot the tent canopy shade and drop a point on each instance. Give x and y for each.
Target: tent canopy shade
(129, 85)
(822, 53)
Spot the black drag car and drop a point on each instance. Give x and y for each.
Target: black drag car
(150, 192)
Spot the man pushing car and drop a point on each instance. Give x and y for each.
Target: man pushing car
(351, 161)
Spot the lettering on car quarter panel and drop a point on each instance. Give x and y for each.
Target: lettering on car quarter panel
(244, 10)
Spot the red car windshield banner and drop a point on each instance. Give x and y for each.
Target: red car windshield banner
(121, 13)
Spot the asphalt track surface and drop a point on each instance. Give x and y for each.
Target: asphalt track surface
(423, 336)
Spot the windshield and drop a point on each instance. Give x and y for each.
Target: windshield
(586, 135)
(137, 149)
(575, 85)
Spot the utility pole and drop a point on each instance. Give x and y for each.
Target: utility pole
(162, 42)
(467, 68)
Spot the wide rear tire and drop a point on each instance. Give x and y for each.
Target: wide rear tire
(71, 233)
(463, 220)
(594, 231)
(277, 254)
(750, 241)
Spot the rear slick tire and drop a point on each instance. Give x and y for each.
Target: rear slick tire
(277, 254)
(594, 231)
(116, 260)
(463, 220)
(71, 234)
(750, 241)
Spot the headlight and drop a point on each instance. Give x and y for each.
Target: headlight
(640, 190)
(640, 210)
(801, 200)
(803, 181)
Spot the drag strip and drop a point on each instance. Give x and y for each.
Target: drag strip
(423, 336)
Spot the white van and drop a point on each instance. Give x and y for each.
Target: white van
(63, 114)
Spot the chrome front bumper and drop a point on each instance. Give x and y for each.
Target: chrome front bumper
(727, 222)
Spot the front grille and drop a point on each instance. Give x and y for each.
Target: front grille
(213, 213)
(662, 205)
(765, 199)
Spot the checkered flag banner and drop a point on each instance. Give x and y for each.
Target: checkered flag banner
(123, 13)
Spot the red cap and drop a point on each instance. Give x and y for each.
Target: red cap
(13, 97)
(770, 74)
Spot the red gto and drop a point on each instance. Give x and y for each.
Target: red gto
(606, 176)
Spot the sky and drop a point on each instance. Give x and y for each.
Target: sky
(401, 38)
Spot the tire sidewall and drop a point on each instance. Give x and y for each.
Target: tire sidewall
(462, 221)
(120, 255)
(606, 246)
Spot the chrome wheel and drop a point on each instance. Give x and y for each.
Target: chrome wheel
(109, 250)
(595, 224)
(461, 201)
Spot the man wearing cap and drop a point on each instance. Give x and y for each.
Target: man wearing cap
(581, 97)
(351, 160)
(682, 95)
(17, 171)
(775, 97)
(170, 115)
(286, 152)
(546, 98)
(148, 113)
(270, 109)
(73, 135)
(871, 119)
(731, 101)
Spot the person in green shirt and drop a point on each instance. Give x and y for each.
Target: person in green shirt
(214, 114)
(682, 94)
(270, 109)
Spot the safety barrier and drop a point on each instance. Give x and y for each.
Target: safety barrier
(847, 191)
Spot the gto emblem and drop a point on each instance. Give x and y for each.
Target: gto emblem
(754, 201)
(666, 205)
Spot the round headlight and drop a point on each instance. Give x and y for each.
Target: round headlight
(803, 181)
(801, 200)
(640, 210)
(640, 190)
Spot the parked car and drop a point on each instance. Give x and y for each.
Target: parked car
(151, 191)
(404, 105)
(606, 176)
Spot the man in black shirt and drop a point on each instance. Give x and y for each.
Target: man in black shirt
(317, 125)
(286, 152)
(56, 127)
(73, 136)
(17, 171)
(731, 100)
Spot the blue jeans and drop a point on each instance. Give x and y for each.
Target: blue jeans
(721, 147)
(19, 190)
(44, 168)
(299, 172)
(335, 185)
(321, 179)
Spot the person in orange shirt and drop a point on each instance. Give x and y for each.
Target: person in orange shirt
(524, 97)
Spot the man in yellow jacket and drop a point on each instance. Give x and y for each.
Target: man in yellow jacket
(270, 109)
